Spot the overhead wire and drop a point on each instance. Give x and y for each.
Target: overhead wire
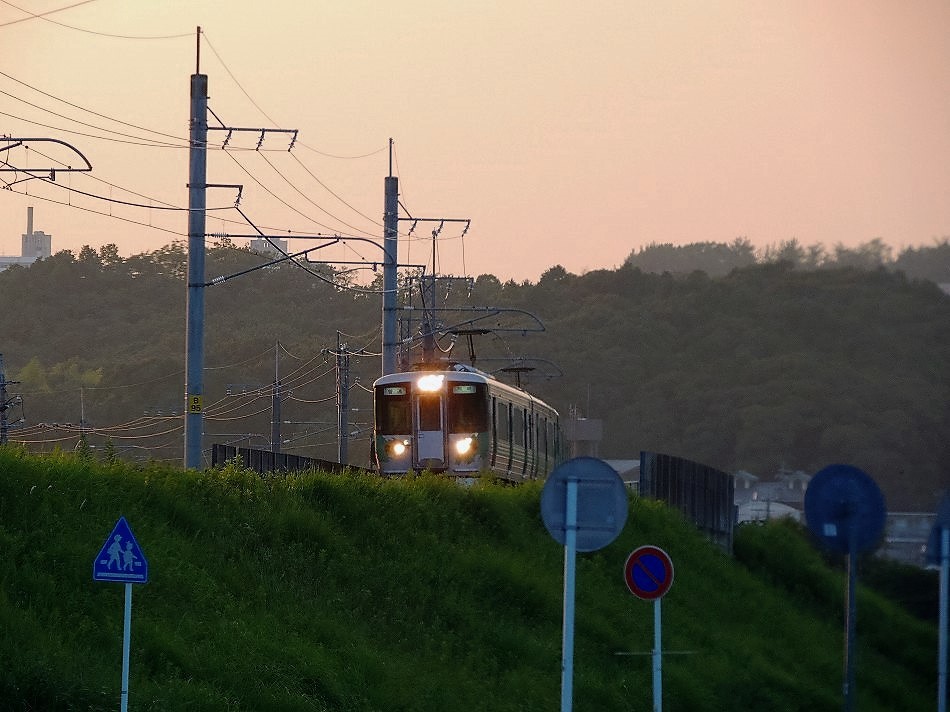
(44, 16)
(303, 266)
(220, 418)
(310, 200)
(140, 142)
(41, 15)
(270, 192)
(183, 142)
(151, 142)
(296, 158)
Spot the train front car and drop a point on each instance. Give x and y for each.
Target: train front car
(432, 420)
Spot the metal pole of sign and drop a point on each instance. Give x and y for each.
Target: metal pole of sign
(850, 614)
(944, 592)
(657, 658)
(126, 640)
(570, 556)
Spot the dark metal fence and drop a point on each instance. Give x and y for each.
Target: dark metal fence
(265, 461)
(702, 493)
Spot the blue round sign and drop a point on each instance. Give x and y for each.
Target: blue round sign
(844, 509)
(648, 572)
(601, 506)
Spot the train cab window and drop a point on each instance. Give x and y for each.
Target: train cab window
(430, 412)
(468, 408)
(393, 410)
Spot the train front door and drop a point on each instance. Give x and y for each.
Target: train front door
(430, 443)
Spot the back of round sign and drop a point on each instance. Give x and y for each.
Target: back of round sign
(845, 509)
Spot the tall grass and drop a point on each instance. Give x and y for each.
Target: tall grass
(347, 592)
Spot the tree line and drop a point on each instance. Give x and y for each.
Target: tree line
(719, 258)
(769, 365)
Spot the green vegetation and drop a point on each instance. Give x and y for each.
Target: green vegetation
(767, 366)
(319, 592)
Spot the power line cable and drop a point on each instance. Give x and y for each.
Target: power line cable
(335, 285)
(183, 140)
(43, 16)
(143, 142)
(276, 197)
(277, 123)
(155, 142)
(311, 201)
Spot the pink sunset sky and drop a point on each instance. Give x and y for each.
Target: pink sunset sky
(569, 133)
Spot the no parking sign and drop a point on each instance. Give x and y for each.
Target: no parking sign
(648, 572)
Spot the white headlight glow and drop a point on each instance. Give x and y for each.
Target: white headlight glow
(430, 383)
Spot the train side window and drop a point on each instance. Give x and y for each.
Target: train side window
(517, 426)
(504, 422)
(543, 441)
(494, 431)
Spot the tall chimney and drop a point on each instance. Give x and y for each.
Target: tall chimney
(29, 220)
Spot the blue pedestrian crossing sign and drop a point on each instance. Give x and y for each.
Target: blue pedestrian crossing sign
(121, 559)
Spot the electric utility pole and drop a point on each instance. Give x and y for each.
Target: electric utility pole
(343, 385)
(4, 403)
(275, 403)
(390, 249)
(195, 310)
(197, 208)
(390, 262)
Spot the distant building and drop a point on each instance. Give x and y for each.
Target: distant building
(758, 500)
(272, 248)
(906, 535)
(629, 471)
(35, 245)
(583, 435)
(783, 496)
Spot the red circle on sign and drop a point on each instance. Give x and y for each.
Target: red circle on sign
(648, 572)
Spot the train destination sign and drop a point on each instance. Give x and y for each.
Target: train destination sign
(648, 572)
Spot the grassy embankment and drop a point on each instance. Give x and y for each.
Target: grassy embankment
(318, 592)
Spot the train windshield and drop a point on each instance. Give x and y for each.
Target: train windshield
(468, 408)
(393, 410)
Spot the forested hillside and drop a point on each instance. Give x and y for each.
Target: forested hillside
(764, 367)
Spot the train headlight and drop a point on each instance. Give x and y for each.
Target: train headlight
(463, 446)
(430, 383)
(398, 447)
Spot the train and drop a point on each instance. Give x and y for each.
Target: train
(457, 420)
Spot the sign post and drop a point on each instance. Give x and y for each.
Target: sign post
(648, 573)
(846, 512)
(938, 552)
(121, 560)
(944, 593)
(584, 507)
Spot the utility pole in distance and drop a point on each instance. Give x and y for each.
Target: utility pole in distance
(390, 249)
(275, 403)
(343, 354)
(4, 403)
